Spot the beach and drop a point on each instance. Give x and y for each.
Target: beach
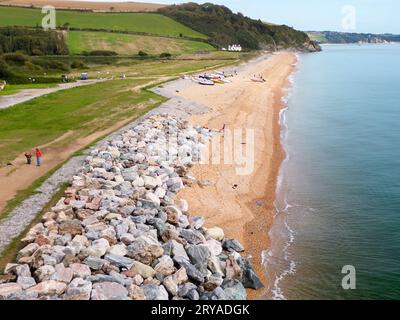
(243, 204)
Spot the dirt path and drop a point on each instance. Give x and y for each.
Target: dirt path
(29, 94)
(243, 205)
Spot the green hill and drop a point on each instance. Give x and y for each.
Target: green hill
(225, 27)
(150, 23)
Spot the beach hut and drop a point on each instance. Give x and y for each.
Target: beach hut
(235, 48)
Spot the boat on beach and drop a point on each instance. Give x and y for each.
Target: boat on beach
(218, 77)
(205, 82)
(256, 79)
(218, 81)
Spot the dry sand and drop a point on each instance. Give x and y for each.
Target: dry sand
(246, 212)
(85, 5)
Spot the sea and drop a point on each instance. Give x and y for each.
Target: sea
(336, 233)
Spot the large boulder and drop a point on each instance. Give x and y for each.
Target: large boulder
(145, 249)
(234, 290)
(49, 288)
(155, 292)
(119, 261)
(79, 289)
(109, 291)
(8, 289)
(98, 248)
(72, 227)
(142, 269)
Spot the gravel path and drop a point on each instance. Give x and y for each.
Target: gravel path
(22, 216)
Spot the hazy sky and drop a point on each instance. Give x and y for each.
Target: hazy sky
(377, 16)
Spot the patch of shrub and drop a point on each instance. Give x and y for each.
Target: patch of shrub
(15, 57)
(4, 70)
(50, 64)
(165, 55)
(77, 64)
(142, 54)
(37, 52)
(21, 79)
(100, 53)
(32, 41)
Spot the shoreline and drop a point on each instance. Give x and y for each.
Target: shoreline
(252, 224)
(247, 213)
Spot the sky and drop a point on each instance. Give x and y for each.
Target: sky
(374, 16)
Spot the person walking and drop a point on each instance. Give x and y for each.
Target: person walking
(28, 156)
(38, 157)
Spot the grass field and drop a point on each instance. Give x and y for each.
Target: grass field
(15, 88)
(151, 23)
(83, 110)
(157, 68)
(127, 44)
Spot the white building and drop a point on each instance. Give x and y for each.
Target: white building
(235, 47)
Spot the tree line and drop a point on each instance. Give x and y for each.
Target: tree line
(33, 42)
(225, 27)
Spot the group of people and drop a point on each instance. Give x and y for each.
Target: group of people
(38, 156)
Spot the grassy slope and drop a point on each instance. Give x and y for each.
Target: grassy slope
(134, 22)
(127, 44)
(81, 109)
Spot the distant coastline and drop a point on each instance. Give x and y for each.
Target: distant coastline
(333, 37)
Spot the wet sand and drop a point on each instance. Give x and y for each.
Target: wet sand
(243, 205)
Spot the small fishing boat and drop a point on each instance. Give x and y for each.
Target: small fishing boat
(205, 82)
(219, 81)
(215, 76)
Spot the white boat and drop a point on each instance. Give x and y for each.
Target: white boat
(206, 82)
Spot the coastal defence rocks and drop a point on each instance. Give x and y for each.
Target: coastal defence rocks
(120, 233)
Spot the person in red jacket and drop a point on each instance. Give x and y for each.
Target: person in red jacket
(38, 154)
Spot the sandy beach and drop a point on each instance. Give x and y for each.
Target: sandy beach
(243, 205)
